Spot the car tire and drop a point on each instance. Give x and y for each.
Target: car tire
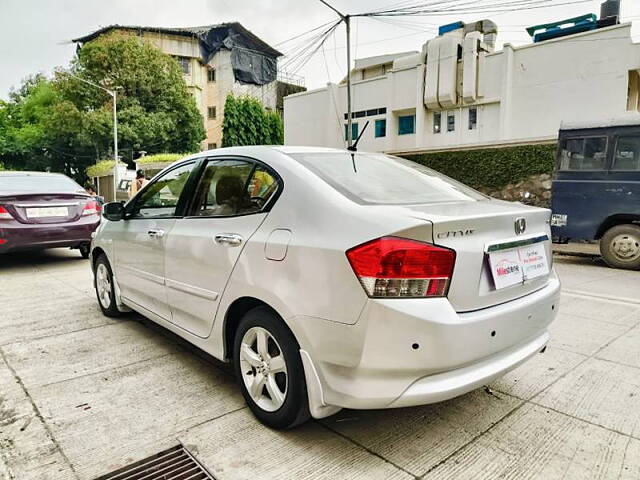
(104, 286)
(84, 249)
(620, 247)
(276, 393)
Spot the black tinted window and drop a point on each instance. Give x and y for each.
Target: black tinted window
(627, 154)
(39, 184)
(583, 153)
(380, 179)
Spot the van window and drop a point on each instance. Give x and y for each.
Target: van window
(627, 154)
(583, 153)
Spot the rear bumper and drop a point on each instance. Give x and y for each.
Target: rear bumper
(31, 237)
(413, 352)
(442, 386)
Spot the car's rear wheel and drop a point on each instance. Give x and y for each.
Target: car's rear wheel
(105, 291)
(620, 247)
(269, 369)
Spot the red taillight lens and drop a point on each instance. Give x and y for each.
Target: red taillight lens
(4, 214)
(92, 207)
(398, 267)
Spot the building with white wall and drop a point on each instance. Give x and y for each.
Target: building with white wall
(457, 92)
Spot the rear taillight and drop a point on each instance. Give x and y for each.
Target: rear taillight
(4, 214)
(392, 267)
(92, 207)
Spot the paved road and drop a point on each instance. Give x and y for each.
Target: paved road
(81, 395)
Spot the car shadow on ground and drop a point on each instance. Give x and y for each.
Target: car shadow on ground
(39, 258)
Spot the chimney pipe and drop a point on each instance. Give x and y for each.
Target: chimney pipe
(610, 8)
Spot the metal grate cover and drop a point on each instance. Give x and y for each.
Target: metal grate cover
(175, 463)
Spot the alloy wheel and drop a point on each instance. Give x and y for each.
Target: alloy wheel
(264, 370)
(103, 285)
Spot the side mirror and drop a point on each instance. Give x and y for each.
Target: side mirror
(113, 211)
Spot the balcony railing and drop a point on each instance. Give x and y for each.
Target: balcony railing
(287, 77)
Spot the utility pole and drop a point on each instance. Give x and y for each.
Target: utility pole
(112, 93)
(347, 22)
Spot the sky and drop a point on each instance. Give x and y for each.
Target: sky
(35, 35)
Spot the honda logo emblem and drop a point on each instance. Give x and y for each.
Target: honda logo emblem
(520, 225)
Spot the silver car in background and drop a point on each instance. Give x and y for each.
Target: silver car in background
(332, 279)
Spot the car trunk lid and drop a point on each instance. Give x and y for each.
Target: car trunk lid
(32, 208)
(475, 230)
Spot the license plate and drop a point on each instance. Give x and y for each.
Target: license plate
(510, 267)
(42, 212)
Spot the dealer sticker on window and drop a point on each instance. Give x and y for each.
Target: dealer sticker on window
(510, 267)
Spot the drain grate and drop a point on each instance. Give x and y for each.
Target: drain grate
(175, 463)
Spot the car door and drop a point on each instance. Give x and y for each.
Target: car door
(140, 241)
(229, 204)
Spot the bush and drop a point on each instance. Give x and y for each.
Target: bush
(246, 122)
(100, 169)
(161, 158)
(491, 168)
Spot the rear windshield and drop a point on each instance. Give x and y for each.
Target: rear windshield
(370, 178)
(38, 184)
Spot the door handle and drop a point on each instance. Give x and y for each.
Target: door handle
(157, 233)
(229, 239)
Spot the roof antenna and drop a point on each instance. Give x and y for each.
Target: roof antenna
(354, 147)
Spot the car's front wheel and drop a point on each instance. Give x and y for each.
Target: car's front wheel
(105, 291)
(269, 369)
(620, 247)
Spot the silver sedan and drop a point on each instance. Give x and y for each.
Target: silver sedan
(332, 279)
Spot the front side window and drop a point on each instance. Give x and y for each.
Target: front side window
(160, 198)
(381, 128)
(583, 153)
(369, 178)
(211, 112)
(406, 124)
(627, 154)
(232, 187)
(211, 75)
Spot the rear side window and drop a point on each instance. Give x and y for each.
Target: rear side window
(38, 184)
(368, 178)
(233, 187)
(583, 153)
(627, 154)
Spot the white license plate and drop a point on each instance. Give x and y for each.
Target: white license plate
(42, 212)
(510, 267)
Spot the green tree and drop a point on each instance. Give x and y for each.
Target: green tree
(246, 122)
(66, 125)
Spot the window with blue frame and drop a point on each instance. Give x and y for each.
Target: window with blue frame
(354, 131)
(381, 128)
(406, 124)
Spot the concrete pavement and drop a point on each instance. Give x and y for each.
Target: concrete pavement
(81, 395)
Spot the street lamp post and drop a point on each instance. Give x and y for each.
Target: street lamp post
(112, 93)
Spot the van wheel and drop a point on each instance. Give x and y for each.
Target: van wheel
(620, 247)
(269, 370)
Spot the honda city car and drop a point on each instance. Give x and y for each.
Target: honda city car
(45, 210)
(332, 279)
